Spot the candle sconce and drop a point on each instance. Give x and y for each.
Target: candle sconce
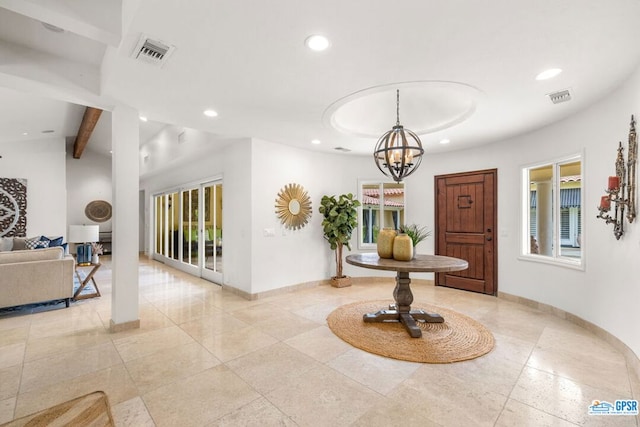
(621, 189)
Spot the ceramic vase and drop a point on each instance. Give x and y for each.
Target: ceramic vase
(385, 242)
(95, 259)
(402, 248)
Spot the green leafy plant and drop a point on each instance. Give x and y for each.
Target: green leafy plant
(340, 219)
(415, 232)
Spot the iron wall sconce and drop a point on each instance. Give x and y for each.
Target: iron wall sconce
(621, 188)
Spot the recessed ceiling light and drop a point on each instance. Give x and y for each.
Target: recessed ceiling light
(317, 42)
(143, 118)
(25, 133)
(210, 113)
(48, 131)
(445, 141)
(315, 141)
(548, 74)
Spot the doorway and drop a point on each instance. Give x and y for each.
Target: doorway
(210, 260)
(188, 230)
(465, 224)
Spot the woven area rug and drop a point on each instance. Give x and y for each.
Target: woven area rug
(458, 338)
(90, 410)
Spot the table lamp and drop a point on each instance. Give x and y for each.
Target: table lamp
(84, 235)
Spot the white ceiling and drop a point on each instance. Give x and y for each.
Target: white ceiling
(247, 60)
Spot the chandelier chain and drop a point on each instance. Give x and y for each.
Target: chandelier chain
(397, 107)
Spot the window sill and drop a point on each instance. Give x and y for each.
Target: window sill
(559, 262)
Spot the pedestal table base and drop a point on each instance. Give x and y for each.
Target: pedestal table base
(401, 310)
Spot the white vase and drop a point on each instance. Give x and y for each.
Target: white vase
(95, 259)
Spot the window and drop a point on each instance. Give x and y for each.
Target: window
(552, 217)
(382, 206)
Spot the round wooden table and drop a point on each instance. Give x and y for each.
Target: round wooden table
(402, 295)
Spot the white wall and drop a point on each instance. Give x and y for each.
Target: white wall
(606, 293)
(88, 179)
(42, 163)
(293, 257)
(207, 159)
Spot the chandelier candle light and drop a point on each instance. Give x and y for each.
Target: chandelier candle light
(399, 151)
(621, 188)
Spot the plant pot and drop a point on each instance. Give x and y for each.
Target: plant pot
(341, 282)
(95, 259)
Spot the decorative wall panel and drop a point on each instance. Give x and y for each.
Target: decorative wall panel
(13, 207)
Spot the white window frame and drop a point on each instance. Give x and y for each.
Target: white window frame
(372, 246)
(525, 196)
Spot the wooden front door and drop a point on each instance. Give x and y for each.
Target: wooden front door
(466, 222)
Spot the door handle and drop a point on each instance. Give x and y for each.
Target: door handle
(489, 239)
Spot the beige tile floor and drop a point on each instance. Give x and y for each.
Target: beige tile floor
(204, 356)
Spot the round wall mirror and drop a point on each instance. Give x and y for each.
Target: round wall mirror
(294, 207)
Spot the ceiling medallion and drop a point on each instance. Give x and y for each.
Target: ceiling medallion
(293, 206)
(429, 106)
(399, 151)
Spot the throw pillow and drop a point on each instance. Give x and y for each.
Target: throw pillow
(35, 243)
(6, 244)
(18, 243)
(56, 241)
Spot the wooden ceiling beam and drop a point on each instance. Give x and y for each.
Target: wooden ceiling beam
(89, 120)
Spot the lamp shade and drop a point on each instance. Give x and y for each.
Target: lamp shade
(83, 233)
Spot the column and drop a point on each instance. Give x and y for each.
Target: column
(125, 180)
(544, 217)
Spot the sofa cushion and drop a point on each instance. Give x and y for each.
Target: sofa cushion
(53, 241)
(19, 243)
(36, 243)
(6, 244)
(31, 255)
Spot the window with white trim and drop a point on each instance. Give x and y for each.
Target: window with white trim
(552, 211)
(382, 206)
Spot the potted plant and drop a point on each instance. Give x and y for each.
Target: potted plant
(340, 219)
(96, 250)
(415, 232)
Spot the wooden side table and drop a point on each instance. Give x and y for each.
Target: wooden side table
(84, 282)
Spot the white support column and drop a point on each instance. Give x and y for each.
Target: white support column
(544, 213)
(125, 247)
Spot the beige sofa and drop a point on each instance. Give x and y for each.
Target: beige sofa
(31, 276)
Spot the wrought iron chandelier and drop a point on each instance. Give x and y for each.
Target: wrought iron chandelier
(399, 151)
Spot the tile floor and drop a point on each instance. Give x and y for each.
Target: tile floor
(206, 357)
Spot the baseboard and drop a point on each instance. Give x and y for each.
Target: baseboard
(632, 359)
(314, 283)
(125, 326)
(274, 292)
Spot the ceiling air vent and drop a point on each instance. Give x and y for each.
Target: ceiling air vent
(152, 51)
(560, 96)
(344, 150)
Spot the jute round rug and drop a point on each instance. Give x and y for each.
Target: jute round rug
(458, 338)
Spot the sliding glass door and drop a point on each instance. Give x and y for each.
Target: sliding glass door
(212, 231)
(188, 229)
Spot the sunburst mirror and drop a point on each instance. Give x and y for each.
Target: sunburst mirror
(293, 206)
